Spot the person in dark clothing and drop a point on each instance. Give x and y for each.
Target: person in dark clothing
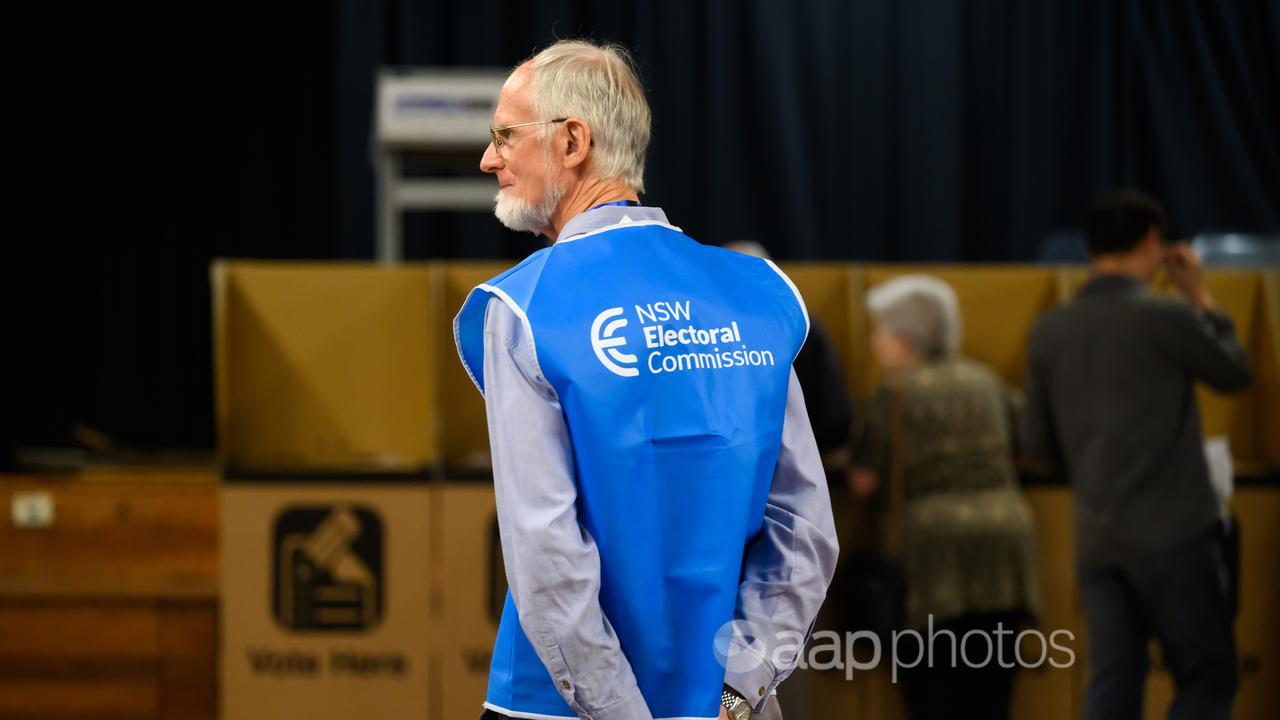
(1110, 402)
(817, 368)
(828, 405)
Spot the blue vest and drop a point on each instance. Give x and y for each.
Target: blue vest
(671, 360)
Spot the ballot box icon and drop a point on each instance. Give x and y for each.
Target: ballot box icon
(327, 568)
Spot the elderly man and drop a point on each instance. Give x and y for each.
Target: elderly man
(660, 495)
(1110, 400)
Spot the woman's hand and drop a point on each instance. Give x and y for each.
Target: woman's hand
(862, 482)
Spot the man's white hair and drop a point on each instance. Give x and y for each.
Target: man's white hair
(921, 309)
(598, 84)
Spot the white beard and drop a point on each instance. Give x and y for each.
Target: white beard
(523, 216)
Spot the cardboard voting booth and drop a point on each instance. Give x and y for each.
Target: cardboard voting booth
(1267, 369)
(832, 294)
(325, 601)
(473, 588)
(998, 307)
(465, 434)
(328, 426)
(325, 366)
(355, 581)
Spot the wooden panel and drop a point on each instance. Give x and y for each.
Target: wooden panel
(55, 631)
(188, 640)
(1258, 627)
(149, 537)
(107, 659)
(1266, 369)
(76, 660)
(128, 697)
(1049, 692)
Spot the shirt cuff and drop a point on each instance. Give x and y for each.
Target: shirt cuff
(632, 707)
(755, 684)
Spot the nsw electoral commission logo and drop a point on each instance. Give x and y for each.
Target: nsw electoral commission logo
(606, 343)
(673, 341)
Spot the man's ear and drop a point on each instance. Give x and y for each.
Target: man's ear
(1155, 236)
(577, 143)
(1154, 241)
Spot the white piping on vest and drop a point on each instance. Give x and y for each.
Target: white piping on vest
(535, 716)
(803, 308)
(524, 319)
(457, 342)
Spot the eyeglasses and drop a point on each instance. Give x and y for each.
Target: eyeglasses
(499, 134)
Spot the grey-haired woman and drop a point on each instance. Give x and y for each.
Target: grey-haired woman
(936, 450)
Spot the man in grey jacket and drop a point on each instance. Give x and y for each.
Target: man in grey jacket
(1111, 403)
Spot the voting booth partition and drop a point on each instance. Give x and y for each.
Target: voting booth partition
(402, 627)
(324, 588)
(998, 307)
(465, 441)
(355, 580)
(328, 429)
(1267, 368)
(833, 296)
(471, 586)
(375, 344)
(359, 541)
(325, 367)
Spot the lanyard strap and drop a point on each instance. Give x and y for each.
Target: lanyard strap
(619, 203)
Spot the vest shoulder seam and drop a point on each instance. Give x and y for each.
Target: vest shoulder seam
(528, 328)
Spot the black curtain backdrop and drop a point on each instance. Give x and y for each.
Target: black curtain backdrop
(162, 135)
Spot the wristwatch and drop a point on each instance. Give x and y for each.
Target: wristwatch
(736, 705)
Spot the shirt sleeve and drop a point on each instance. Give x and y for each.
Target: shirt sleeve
(1038, 440)
(552, 563)
(1211, 350)
(788, 565)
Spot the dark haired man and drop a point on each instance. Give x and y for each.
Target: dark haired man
(1111, 402)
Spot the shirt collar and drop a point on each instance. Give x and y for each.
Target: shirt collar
(1113, 284)
(604, 216)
